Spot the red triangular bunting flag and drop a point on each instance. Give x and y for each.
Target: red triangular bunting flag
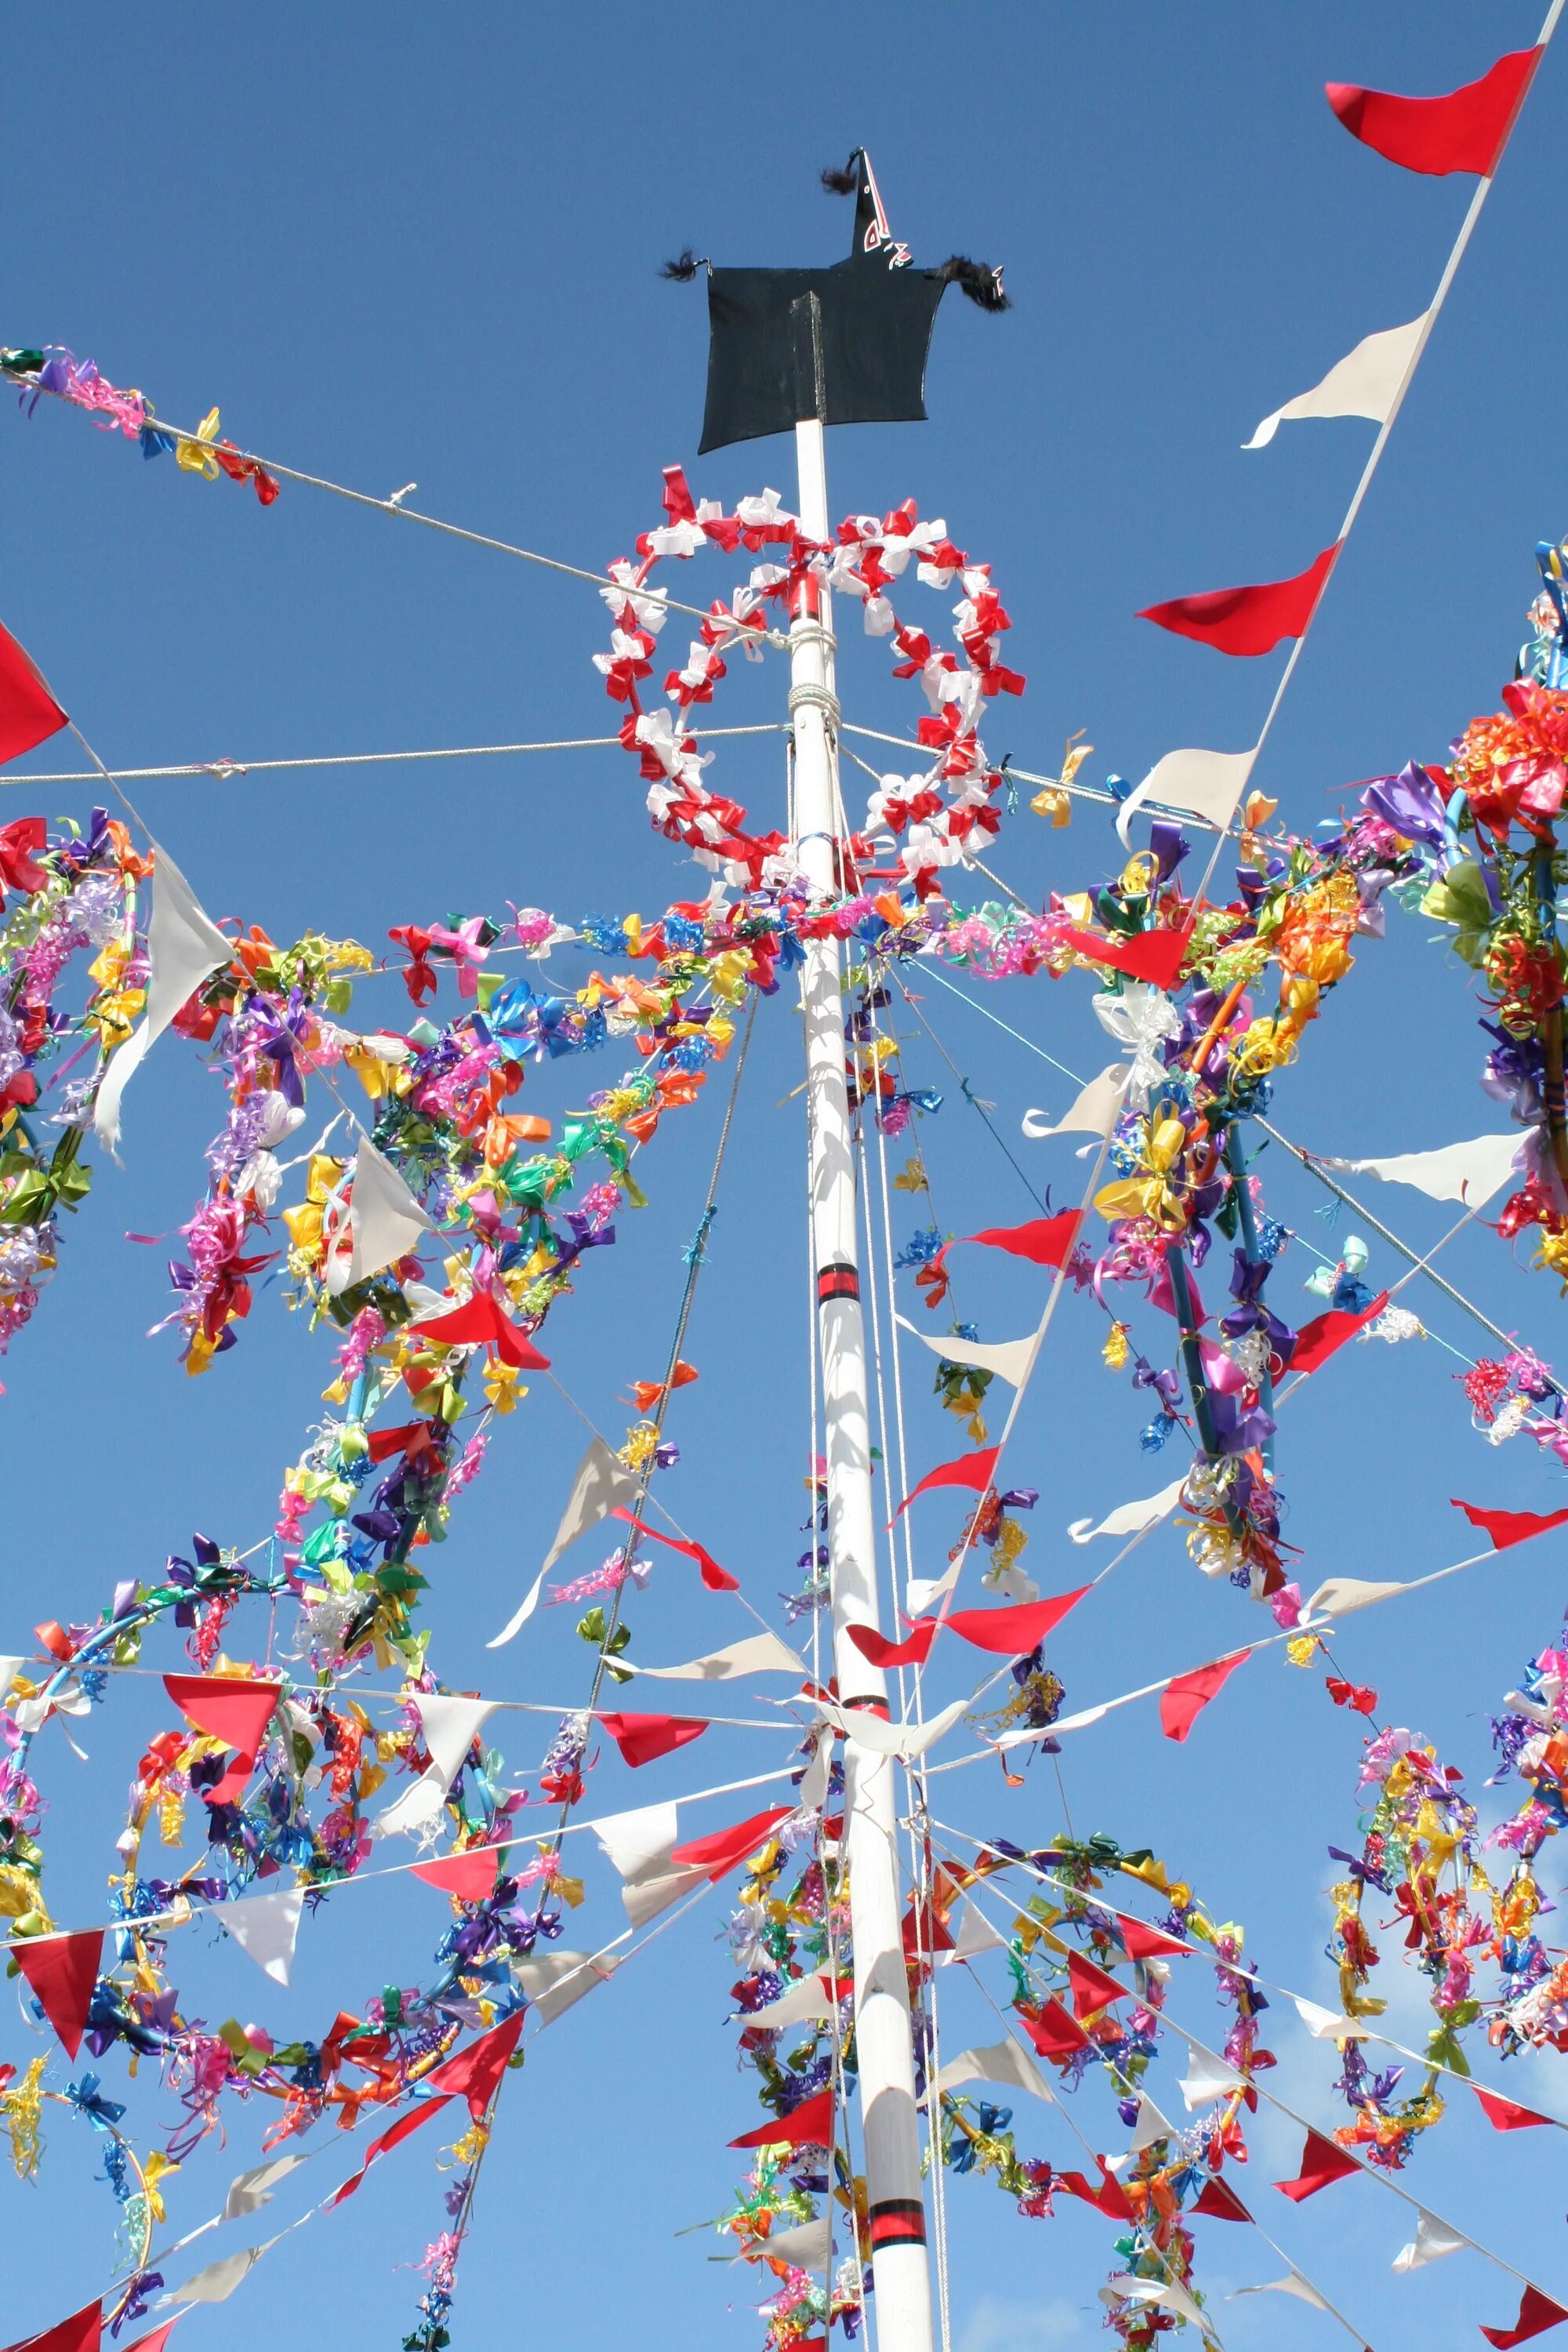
(1464, 130)
(1316, 1341)
(62, 1972)
(474, 2072)
(394, 2136)
(1504, 2114)
(81, 2333)
(470, 1875)
(1091, 1988)
(970, 1470)
(912, 1651)
(1321, 2162)
(1008, 1632)
(1183, 1701)
(1248, 620)
(1221, 2204)
(1054, 2033)
(716, 1579)
(1044, 1241)
(227, 1707)
(1141, 1943)
(1507, 1528)
(642, 1738)
(809, 2125)
(1537, 2313)
(158, 2338)
(1153, 956)
(480, 1319)
(724, 1848)
(1109, 2197)
(29, 712)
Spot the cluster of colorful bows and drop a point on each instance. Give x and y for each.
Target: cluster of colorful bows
(868, 556)
(58, 372)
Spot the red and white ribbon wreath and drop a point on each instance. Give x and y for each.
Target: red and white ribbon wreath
(867, 557)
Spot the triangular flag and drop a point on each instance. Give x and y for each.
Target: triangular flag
(759, 1654)
(998, 2062)
(470, 1875)
(1184, 1699)
(394, 2136)
(1054, 2033)
(809, 2125)
(219, 2280)
(1131, 1518)
(384, 1218)
(643, 1737)
(185, 948)
(479, 1321)
(972, 1470)
(911, 1652)
(1328, 2024)
(1168, 2294)
(1205, 783)
(719, 1852)
(1010, 1632)
(1505, 1527)
(82, 2332)
(1432, 2241)
(249, 2191)
(1537, 2313)
(1094, 1111)
(1221, 2204)
(1144, 1943)
(1366, 382)
(1291, 2283)
(1464, 130)
(1504, 2114)
(156, 2337)
(1208, 2077)
(975, 1934)
(62, 1972)
(30, 714)
(449, 1724)
(1247, 621)
(1091, 1988)
(600, 1485)
(1322, 2163)
(715, 1578)
(639, 1845)
(1322, 1337)
(1109, 2197)
(1150, 2126)
(808, 1998)
(1341, 1594)
(227, 1707)
(1044, 1241)
(1010, 1359)
(556, 1981)
(808, 2246)
(474, 2072)
(265, 1926)
(1470, 1173)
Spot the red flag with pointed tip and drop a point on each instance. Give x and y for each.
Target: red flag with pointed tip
(1506, 1527)
(1505, 2115)
(479, 1321)
(1247, 621)
(158, 2338)
(1110, 2197)
(1008, 1632)
(393, 2136)
(62, 1972)
(1154, 956)
(30, 714)
(1054, 2033)
(1091, 1988)
(972, 1470)
(1464, 130)
(1316, 1341)
(470, 1875)
(723, 1849)
(1183, 1701)
(82, 2332)
(912, 1651)
(642, 1738)
(474, 2072)
(1322, 2163)
(227, 1707)
(1141, 1943)
(809, 2125)
(1221, 2204)
(1537, 2313)
(1044, 1241)
(716, 1579)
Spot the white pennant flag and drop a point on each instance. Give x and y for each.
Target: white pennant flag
(1207, 2078)
(249, 2191)
(759, 1654)
(1168, 2292)
(1010, 1359)
(1432, 2239)
(1366, 382)
(807, 2246)
(807, 1998)
(901, 1739)
(1150, 2127)
(1131, 1518)
(1095, 1112)
(218, 2281)
(639, 1846)
(1206, 783)
(554, 1981)
(975, 1934)
(998, 2062)
(184, 948)
(1293, 2283)
(448, 1724)
(385, 1221)
(1328, 2024)
(1341, 1594)
(266, 1926)
(1470, 1173)
(602, 1486)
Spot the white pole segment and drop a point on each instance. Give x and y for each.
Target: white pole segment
(882, 2029)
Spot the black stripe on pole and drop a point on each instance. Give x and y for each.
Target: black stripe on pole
(837, 1281)
(897, 2221)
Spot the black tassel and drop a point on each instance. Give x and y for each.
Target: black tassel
(841, 183)
(683, 268)
(983, 285)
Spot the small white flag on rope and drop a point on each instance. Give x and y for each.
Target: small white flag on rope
(998, 2062)
(218, 2281)
(1470, 1173)
(266, 1926)
(602, 1486)
(249, 2191)
(975, 1934)
(385, 1221)
(1341, 1594)
(639, 1845)
(1292, 2283)
(1432, 2239)
(808, 2246)
(759, 1654)
(1207, 783)
(1167, 2292)
(1207, 2078)
(1131, 1518)
(448, 1724)
(1366, 382)
(1095, 1110)
(184, 947)
(1329, 2024)
(1010, 1359)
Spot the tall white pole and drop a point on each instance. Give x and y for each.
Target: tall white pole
(882, 2030)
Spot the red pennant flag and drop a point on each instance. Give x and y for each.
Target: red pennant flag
(1183, 1701)
(1109, 2197)
(1321, 2162)
(394, 2136)
(227, 1707)
(62, 1972)
(1154, 956)
(1316, 1341)
(1045, 1241)
(474, 2072)
(1141, 1943)
(1464, 131)
(410, 1438)
(1248, 620)
(1504, 2114)
(1091, 1988)
(643, 1737)
(82, 2332)
(470, 1875)
(972, 1470)
(1537, 2313)
(158, 2336)
(723, 1849)
(29, 712)
(1507, 1528)
(1008, 1632)
(717, 1579)
(808, 2126)
(1221, 2202)
(912, 1651)
(481, 1320)
(1054, 2033)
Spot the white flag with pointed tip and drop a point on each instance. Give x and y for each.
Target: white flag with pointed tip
(266, 1926)
(1292, 2283)
(249, 2191)
(1341, 1594)
(602, 1486)
(1205, 784)
(1094, 1111)
(975, 1934)
(448, 1724)
(1010, 1359)
(998, 2062)
(385, 1221)
(218, 2281)
(806, 1998)
(1432, 2239)
(1366, 382)
(555, 1981)
(759, 1654)
(184, 947)
(901, 1739)
(1168, 2292)
(1328, 2024)
(808, 2246)
(1207, 2078)
(1150, 2127)
(1470, 1173)
(638, 1845)
(1131, 1518)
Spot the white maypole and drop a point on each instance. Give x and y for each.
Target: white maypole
(882, 2029)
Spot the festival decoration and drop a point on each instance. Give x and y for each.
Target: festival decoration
(56, 371)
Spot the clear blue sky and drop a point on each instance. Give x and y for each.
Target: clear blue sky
(401, 244)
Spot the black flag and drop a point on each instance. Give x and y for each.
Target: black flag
(845, 343)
